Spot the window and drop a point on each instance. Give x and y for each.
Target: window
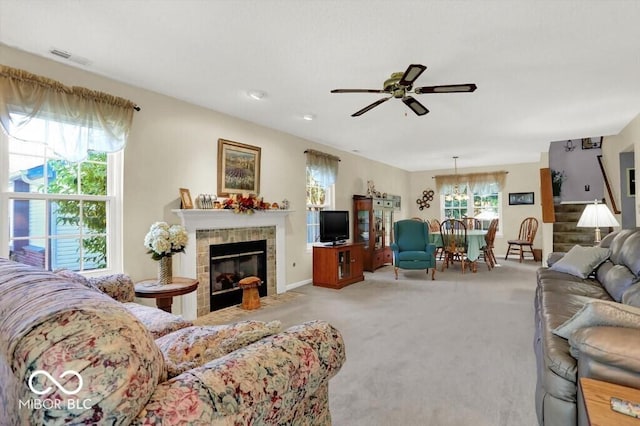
(60, 214)
(322, 169)
(318, 198)
(476, 195)
(483, 206)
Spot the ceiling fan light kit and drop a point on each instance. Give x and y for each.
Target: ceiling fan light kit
(400, 85)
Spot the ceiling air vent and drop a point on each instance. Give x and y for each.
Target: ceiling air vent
(66, 55)
(61, 53)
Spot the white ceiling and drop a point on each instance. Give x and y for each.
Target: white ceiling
(545, 70)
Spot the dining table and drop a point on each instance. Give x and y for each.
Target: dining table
(475, 243)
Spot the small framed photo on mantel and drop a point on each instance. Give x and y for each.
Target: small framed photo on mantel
(185, 199)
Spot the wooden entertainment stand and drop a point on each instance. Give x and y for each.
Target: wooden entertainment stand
(337, 266)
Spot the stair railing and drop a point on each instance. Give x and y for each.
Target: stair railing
(606, 183)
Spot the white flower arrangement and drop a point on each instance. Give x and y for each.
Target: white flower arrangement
(163, 240)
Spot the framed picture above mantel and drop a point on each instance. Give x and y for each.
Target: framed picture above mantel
(238, 168)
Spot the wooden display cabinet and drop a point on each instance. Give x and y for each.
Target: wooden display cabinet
(337, 266)
(372, 227)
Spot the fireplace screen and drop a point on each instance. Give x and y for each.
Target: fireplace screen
(229, 263)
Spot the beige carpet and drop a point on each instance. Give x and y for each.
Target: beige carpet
(455, 351)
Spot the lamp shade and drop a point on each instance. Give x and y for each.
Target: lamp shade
(597, 215)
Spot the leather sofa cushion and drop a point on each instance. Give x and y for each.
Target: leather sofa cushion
(606, 241)
(632, 296)
(556, 309)
(547, 273)
(616, 279)
(617, 244)
(600, 313)
(629, 253)
(587, 288)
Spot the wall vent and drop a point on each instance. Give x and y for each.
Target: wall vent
(66, 55)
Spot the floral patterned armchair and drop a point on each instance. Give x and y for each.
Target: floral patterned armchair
(69, 353)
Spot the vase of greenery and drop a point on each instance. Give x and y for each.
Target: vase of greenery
(557, 178)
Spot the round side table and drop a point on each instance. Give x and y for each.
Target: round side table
(164, 293)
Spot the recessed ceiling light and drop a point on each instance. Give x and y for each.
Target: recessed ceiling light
(256, 94)
(308, 117)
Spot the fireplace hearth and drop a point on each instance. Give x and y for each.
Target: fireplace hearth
(231, 262)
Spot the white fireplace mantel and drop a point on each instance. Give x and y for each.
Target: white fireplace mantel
(203, 219)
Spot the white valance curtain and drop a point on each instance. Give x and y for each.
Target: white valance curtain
(323, 167)
(476, 183)
(71, 120)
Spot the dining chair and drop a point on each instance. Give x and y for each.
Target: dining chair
(454, 239)
(472, 223)
(434, 226)
(527, 234)
(487, 250)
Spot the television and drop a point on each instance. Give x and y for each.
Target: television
(334, 226)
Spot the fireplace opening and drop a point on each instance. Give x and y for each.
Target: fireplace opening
(231, 262)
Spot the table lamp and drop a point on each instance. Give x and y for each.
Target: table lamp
(596, 215)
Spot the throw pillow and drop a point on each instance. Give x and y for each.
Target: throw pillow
(194, 346)
(581, 261)
(600, 313)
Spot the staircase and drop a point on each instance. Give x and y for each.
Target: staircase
(565, 232)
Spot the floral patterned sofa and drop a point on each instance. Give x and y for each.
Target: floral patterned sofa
(71, 354)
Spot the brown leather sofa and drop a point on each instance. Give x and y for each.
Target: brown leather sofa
(603, 352)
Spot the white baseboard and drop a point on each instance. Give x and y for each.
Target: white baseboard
(299, 284)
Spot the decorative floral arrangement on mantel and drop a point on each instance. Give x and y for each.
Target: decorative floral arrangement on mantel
(163, 241)
(245, 204)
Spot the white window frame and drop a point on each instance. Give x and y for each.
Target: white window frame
(329, 203)
(114, 197)
(470, 208)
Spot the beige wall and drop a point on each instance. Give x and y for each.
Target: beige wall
(520, 178)
(173, 144)
(627, 140)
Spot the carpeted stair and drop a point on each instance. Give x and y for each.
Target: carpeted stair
(565, 232)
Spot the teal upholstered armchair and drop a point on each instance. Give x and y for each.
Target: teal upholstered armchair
(411, 248)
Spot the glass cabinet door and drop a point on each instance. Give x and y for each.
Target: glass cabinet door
(362, 232)
(388, 227)
(378, 217)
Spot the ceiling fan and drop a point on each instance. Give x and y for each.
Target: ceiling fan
(400, 86)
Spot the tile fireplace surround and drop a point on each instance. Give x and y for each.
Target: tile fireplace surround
(206, 227)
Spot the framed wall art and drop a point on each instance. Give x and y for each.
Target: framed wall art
(238, 168)
(185, 198)
(591, 143)
(520, 198)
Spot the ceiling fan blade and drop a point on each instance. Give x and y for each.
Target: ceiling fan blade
(451, 88)
(359, 91)
(416, 106)
(368, 107)
(411, 74)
